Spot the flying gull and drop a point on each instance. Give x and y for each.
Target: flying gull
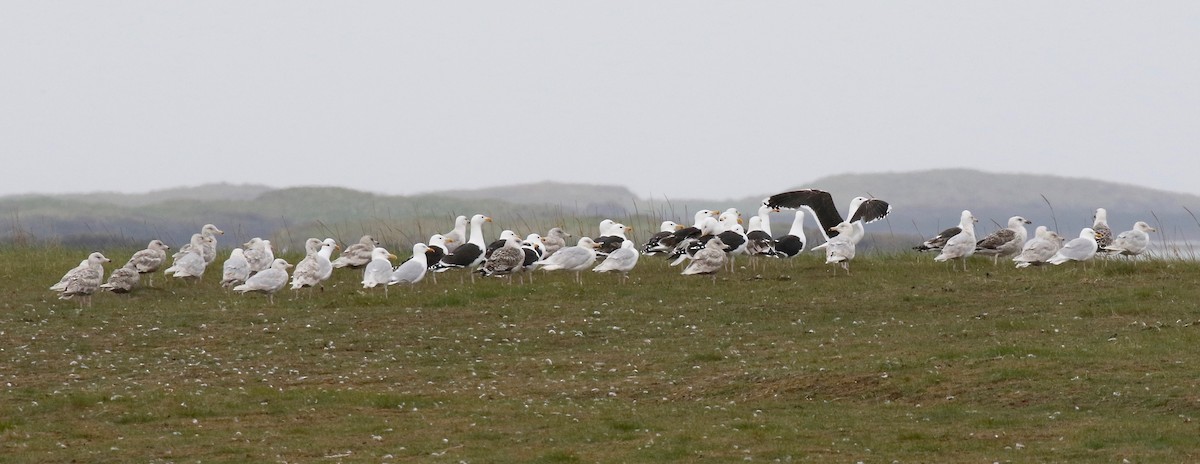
(862, 210)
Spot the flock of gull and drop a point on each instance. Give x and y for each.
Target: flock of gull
(710, 244)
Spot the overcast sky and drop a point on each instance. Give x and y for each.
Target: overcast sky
(682, 99)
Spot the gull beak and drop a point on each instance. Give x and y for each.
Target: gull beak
(679, 227)
(391, 256)
(487, 219)
(449, 240)
(629, 229)
(739, 219)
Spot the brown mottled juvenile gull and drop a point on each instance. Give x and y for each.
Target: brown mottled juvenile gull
(151, 259)
(1104, 233)
(708, 260)
(358, 254)
(1004, 242)
(315, 268)
(83, 281)
(555, 239)
(122, 279)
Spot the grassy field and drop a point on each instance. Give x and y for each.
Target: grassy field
(903, 361)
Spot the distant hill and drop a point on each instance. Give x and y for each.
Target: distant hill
(220, 191)
(927, 201)
(598, 199)
(924, 202)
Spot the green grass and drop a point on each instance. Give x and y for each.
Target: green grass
(905, 360)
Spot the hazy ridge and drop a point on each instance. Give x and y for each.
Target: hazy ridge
(924, 202)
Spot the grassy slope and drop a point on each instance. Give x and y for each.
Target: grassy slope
(905, 360)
